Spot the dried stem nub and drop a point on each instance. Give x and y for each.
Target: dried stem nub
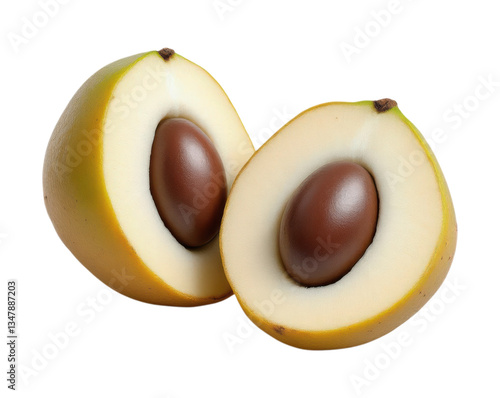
(384, 105)
(166, 53)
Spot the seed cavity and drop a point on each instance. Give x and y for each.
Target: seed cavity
(187, 182)
(328, 223)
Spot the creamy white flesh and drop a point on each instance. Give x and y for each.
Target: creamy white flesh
(409, 223)
(152, 90)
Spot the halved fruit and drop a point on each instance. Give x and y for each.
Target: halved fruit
(97, 181)
(312, 177)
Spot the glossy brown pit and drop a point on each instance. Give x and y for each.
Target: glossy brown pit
(328, 223)
(187, 181)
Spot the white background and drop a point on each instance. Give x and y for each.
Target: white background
(271, 57)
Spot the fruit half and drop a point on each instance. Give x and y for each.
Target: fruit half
(96, 176)
(405, 261)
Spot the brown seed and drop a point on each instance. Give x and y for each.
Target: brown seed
(187, 181)
(328, 223)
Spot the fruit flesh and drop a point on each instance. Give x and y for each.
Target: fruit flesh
(84, 189)
(328, 223)
(188, 182)
(411, 252)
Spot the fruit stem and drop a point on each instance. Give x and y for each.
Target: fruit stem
(166, 53)
(384, 105)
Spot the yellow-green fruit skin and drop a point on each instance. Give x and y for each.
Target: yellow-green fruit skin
(415, 299)
(78, 203)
